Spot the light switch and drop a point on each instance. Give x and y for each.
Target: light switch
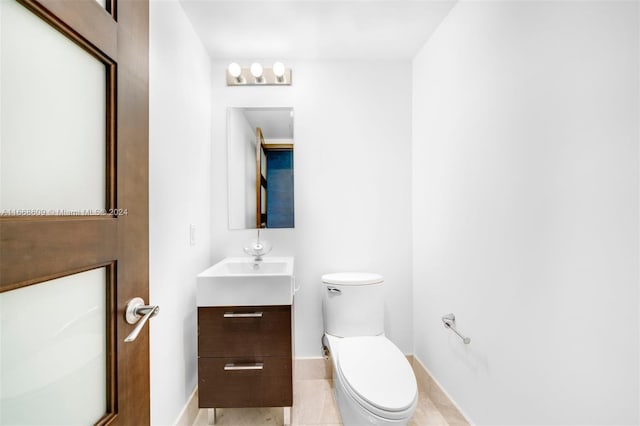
(192, 234)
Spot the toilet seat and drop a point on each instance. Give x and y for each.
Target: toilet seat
(377, 375)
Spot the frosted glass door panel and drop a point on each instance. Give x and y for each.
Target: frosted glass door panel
(52, 118)
(53, 352)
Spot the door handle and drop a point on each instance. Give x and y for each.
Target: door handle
(136, 309)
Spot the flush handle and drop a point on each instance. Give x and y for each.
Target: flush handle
(334, 290)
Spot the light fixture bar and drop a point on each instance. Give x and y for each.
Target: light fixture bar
(268, 78)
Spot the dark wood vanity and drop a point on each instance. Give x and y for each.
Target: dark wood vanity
(245, 357)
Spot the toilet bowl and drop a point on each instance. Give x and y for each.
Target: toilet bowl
(374, 383)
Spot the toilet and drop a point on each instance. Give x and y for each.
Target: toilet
(374, 383)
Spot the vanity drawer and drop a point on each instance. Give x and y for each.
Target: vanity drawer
(244, 331)
(245, 382)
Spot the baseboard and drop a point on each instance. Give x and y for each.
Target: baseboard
(436, 393)
(315, 368)
(190, 411)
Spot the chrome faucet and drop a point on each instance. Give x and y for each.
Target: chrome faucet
(257, 249)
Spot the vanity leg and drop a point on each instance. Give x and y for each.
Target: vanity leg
(287, 416)
(211, 416)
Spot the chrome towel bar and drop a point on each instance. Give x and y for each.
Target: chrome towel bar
(449, 321)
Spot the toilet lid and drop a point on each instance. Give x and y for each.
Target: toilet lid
(352, 278)
(378, 372)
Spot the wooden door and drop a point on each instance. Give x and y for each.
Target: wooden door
(38, 246)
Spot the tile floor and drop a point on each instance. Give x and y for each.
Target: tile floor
(314, 405)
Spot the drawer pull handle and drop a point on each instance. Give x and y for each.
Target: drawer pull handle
(243, 315)
(232, 367)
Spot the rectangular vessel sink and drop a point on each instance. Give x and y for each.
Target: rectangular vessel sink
(240, 281)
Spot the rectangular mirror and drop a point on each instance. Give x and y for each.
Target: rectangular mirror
(260, 167)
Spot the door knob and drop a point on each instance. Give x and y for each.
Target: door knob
(136, 309)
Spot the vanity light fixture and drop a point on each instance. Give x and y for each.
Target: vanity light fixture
(235, 71)
(278, 71)
(256, 72)
(256, 75)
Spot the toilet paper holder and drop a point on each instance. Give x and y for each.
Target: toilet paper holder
(449, 321)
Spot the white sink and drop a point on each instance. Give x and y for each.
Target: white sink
(240, 281)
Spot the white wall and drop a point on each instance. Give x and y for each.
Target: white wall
(352, 182)
(179, 195)
(525, 210)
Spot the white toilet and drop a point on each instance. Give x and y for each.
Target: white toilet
(374, 383)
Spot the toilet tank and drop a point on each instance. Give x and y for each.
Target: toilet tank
(353, 304)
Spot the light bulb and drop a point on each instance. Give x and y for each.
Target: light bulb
(256, 70)
(235, 70)
(278, 69)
